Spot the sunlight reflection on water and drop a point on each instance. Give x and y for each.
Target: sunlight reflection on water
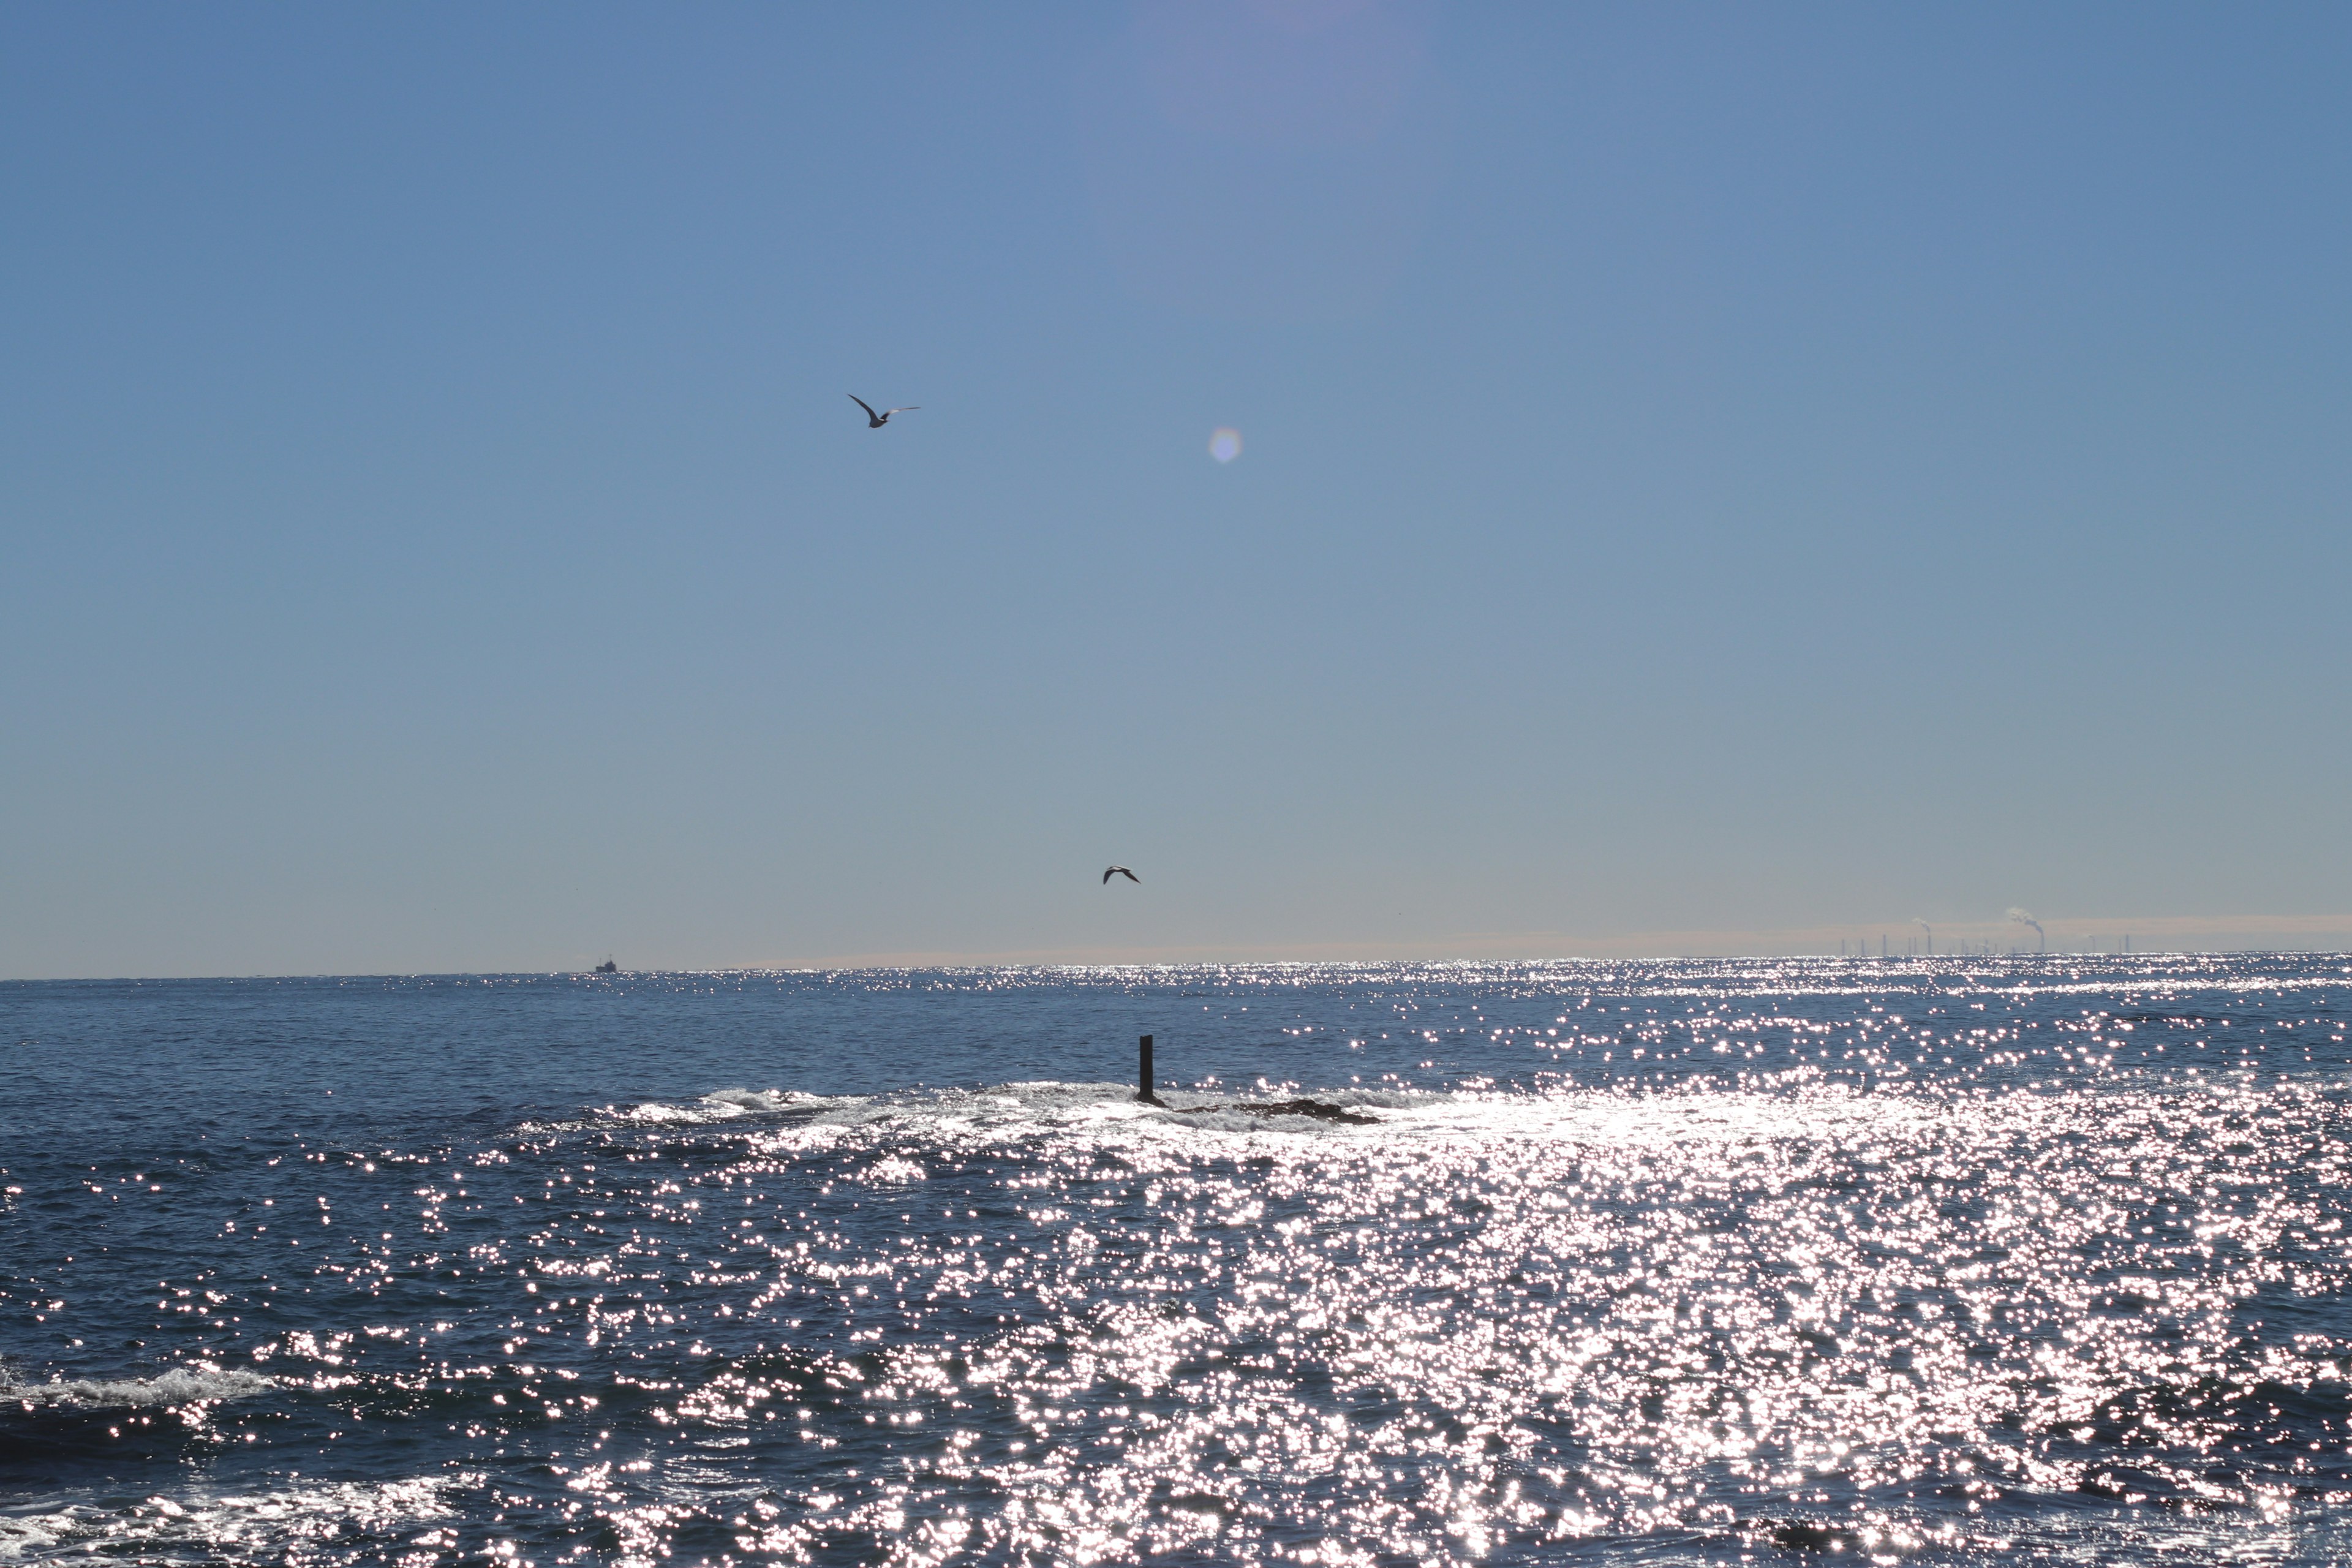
(2058, 1300)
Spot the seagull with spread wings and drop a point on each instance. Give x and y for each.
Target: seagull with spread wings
(1121, 871)
(876, 421)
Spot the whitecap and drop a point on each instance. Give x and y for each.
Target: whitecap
(277, 1525)
(721, 1105)
(181, 1385)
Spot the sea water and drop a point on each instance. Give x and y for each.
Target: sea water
(2026, 1260)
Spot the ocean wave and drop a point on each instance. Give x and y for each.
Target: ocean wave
(179, 1386)
(349, 1521)
(911, 1122)
(719, 1105)
(723, 1105)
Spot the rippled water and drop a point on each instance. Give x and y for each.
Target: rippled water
(2030, 1260)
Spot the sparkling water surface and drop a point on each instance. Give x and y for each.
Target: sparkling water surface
(2026, 1260)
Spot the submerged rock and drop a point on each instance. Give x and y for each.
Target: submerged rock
(1320, 1109)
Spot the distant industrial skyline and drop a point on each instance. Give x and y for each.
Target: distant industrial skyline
(2150, 935)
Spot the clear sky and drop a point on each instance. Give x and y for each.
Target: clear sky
(1711, 468)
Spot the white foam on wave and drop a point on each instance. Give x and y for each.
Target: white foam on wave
(903, 1129)
(1109, 1114)
(722, 1105)
(179, 1386)
(719, 1105)
(1046, 1108)
(289, 1524)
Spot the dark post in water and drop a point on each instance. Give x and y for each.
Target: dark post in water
(1143, 1072)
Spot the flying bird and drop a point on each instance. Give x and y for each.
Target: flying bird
(876, 421)
(1121, 871)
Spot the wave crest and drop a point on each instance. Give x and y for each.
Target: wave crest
(181, 1385)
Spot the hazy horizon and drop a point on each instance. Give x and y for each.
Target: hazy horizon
(1702, 472)
(2147, 936)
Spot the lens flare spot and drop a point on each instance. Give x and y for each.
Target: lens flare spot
(1225, 444)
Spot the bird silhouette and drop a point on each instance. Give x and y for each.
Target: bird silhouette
(876, 421)
(1121, 871)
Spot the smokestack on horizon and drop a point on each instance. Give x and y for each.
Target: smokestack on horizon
(2023, 919)
(1923, 925)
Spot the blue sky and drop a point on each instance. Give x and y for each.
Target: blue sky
(1707, 468)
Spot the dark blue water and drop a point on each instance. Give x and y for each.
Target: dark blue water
(2020, 1260)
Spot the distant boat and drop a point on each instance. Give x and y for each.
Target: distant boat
(607, 967)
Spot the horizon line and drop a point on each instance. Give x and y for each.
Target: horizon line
(2151, 935)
